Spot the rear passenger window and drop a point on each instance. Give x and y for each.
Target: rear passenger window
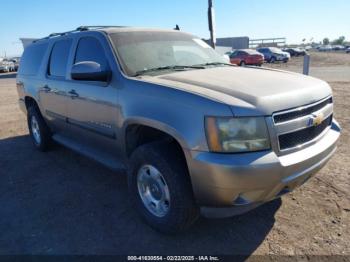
(90, 49)
(59, 58)
(32, 58)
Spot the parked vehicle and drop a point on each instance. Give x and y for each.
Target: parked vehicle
(347, 50)
(338, 47)
(10, 65)
(295, 51)
(3, 66)
(273, 54)
(193, 133)
(244, 57)
(16, 62)
(325, 48)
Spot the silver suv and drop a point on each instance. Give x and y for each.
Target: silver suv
(193, 133)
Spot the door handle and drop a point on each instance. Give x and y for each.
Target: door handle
(73, 93)
(46, 88)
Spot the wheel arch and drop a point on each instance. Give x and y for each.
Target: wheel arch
(163, 129)
(161, 132)
(30, 101)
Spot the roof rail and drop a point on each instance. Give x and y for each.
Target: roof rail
(88, 27)
(79, 29)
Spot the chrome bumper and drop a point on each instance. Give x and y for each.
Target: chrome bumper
(240, 181)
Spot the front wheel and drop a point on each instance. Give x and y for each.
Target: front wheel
(273, 60)
(242, 63)
(160, 187)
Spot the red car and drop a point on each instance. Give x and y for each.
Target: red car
(244, 57)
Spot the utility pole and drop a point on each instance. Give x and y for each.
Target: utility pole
(211, 21)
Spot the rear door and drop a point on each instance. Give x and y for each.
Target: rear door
(92, 106)
(53, 94)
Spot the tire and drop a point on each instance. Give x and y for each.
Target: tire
(272, 59)
(180, 210)
(38, 129)
(242, 63)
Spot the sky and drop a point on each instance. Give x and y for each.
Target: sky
(293, 19)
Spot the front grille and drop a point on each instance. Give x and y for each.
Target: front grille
(307, 110)
(302, 136)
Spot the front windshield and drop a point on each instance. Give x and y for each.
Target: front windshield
(275, 50)
(140, 51)
(251, 51)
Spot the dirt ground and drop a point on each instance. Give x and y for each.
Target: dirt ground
(62, 203)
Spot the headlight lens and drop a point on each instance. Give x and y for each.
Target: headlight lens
(226, 134)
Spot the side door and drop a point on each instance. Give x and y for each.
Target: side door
(264, 52)
(53, 93)
(234, 59)
(240, 56)
(93, 105)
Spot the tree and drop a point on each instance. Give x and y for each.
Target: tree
(326, 41)
(339, 41)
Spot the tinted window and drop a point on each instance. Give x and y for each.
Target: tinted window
(59, 58)
(233, 54)
(90, 49)
(32, 58)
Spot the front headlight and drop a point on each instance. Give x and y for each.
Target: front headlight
(232, 135)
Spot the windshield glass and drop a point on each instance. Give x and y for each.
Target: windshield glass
(275, 50)
(251, 51)
(145, 50)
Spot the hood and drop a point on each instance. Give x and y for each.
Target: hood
(250, 91)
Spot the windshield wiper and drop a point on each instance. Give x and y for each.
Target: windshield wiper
(174, 67)
(214, 64)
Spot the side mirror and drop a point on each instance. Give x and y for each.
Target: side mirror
(89, 71)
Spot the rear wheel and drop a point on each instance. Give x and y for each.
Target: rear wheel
(38, 129)
(160, 188)
(273, 59)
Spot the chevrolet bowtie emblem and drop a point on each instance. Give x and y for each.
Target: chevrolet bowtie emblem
(316, 120)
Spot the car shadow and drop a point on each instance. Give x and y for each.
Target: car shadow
(59, 202)
(8, 75)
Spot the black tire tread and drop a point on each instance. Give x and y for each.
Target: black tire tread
(44, 129)
(162, 155)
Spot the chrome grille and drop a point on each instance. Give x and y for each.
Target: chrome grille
(300, 111)
(296, 128)
(304, 135)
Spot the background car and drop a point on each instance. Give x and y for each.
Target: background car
(273, 54)
(295, 51)
(325, 48)
(3, 66)
(244, 57)
(338, 47)
(348, 50)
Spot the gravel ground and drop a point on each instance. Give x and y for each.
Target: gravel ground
(62, 203)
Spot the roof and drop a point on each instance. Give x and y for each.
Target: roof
(107, 30)
(111, 30)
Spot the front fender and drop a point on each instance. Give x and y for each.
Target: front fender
(178, 113)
